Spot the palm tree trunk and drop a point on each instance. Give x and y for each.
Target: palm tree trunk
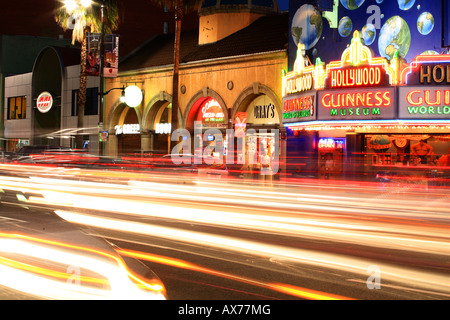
(176, 63)
(81, 93)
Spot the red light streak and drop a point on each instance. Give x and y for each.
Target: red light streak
(288, 289)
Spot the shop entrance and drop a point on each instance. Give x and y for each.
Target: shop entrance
(208, 113)
(163, 128)
(331, 157)
(128, 134)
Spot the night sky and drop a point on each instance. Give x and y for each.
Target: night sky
(139, 20)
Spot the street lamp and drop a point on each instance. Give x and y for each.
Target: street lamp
(72, 5)
(132, 96)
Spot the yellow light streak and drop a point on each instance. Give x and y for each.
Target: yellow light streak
(123, 283)
(288, 289)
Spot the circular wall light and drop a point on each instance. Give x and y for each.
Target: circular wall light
(133, 96)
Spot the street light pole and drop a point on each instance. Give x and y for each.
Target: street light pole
(102, 58)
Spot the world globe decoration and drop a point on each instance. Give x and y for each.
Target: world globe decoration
(352, 4)
(428, 52)
(345, 27)
(368, 34)
(405, 4)
(380, 143)
(307, 26)
(394, 35)
(425, 23)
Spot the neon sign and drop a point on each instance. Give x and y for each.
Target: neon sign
(331, 143)
(357, 103)
(419, 97)
(128, 129)
(299, 107)
(424, 102)
(438, 74)
(351, 77)
(302, 77)
(357, 99)
(163, 128)
(211, 112)
(357, 68)
(427, 69)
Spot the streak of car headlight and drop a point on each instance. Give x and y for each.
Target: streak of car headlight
(53, 270)
(404, 275)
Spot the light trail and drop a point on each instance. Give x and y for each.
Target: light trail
(133, 205)
(291, 290)
(432, 281)
(52, 270)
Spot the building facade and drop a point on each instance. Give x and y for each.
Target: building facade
(228, 74)
(364, 108)
(41, 106)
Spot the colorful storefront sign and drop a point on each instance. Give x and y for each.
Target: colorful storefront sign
(357, 104)
(262, 111)
(300, 107)
(44, 102)
(357, 87)
(425, 92)
(299, 89)
(210, 113)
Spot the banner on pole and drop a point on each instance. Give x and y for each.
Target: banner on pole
(111, 55)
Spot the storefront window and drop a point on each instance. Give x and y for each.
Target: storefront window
(423, 150)
(91, 106)
(17, 107)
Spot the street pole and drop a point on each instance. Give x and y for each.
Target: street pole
(102, 58)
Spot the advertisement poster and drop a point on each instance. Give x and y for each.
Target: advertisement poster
(93, 54)
(412, 27)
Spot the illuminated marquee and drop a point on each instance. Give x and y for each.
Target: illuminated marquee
(359, 86)
(357, 68)
(424, 93)
(424, 103)
(299, 97)
(302, 77)
(361, 104)
(299, 107)
(427, 69)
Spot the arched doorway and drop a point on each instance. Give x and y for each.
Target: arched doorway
(157, 124)
(207, 110)
(124, 130)
(128, 133)
(257, 119)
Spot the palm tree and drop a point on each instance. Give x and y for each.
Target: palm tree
(88, 18)
(180, 8)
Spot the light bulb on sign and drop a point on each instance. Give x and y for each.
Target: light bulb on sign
(133, 96)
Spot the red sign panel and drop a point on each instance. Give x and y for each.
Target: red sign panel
(44, 102)
(240, 124)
